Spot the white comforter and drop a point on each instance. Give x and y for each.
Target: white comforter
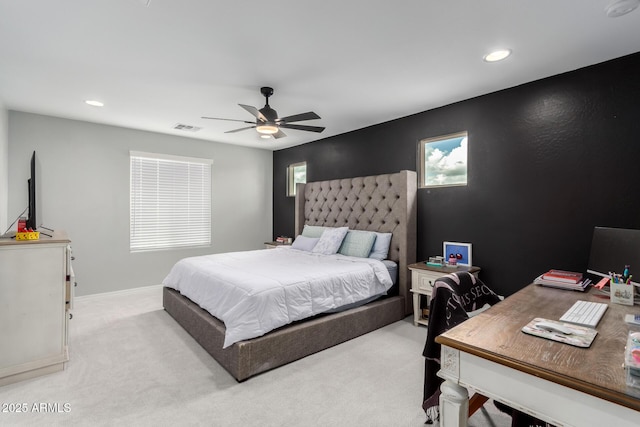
(254, 292)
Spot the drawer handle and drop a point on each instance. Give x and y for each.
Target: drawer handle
(70, 316)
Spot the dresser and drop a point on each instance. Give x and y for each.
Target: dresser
(423, 277)
(36, 297)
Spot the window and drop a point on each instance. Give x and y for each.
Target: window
(170, 202)
(442, 160)
(296, 173)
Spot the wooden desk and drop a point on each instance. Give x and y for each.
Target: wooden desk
(558, 383)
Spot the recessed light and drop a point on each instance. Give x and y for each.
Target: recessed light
(621, 7)
(94, 103)
(497, 55)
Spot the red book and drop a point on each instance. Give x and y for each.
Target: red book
(563, 276)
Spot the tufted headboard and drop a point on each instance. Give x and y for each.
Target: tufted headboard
(382, 203)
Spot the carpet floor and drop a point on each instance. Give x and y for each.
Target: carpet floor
(131, 364)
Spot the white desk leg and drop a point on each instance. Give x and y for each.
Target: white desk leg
(416, 308)
(454, 405)
(454, 399)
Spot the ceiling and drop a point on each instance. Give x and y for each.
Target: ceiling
(158, 63)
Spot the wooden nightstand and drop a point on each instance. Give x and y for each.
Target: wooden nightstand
(423, 277)
(272, 245)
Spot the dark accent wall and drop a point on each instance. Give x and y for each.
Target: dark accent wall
(548, 161)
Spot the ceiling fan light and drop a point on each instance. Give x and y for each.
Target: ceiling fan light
(265, 136)
(267, 129)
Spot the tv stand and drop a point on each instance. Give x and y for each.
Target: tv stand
(37, 284)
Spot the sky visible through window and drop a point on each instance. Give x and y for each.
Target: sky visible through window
(445, 161)
(300, 174)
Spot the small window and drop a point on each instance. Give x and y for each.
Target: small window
(296, 173)
(442, 161)
(170, 202)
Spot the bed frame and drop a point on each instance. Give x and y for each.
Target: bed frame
(383, 203)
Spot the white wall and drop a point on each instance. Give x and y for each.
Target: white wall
(83, 188)
(4, 169)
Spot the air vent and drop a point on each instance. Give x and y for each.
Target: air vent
(188, 128)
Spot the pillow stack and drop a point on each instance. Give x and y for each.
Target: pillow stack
(356, 243)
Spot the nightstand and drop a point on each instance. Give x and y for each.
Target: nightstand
(423, 277)
(272, 245)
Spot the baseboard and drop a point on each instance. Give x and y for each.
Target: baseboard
(120, 292)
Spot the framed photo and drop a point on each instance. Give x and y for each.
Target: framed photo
(460, 251)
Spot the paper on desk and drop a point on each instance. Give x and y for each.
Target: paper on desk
(584, 339)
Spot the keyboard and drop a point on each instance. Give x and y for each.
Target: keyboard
(585, 313)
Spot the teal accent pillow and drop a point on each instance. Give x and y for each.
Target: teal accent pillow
(357, 243)
(313, 230)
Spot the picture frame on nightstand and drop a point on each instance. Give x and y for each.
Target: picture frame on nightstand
(460, 251)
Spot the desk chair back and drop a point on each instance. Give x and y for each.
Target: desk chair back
(454, 296)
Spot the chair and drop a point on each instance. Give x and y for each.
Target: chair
(454, 296)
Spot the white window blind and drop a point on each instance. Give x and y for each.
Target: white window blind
(170, 202)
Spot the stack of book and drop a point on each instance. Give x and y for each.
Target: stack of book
(563, 280)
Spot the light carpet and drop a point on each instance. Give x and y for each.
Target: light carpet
(131, 364)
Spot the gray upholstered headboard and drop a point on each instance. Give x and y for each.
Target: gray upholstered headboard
(383, 203)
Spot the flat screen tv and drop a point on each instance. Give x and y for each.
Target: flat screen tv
(32, 221)
(612, 249)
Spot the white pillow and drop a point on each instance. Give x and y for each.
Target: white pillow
(380, 248)
(330, 241)
(304, 243)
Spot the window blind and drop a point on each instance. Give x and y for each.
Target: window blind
(170, 202)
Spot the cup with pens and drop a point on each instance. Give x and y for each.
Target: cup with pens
(621, 287)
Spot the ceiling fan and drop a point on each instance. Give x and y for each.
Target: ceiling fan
(268, 123)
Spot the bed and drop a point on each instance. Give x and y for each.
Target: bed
(382, 203)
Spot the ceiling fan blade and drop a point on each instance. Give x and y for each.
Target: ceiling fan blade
(298, 117)
(254, 112)
(303, 127)
(229, 120)
(279, 134)
(238, 130)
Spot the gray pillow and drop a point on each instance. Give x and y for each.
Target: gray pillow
(380, 248)
(330, 241)
(357, 243)
(313, 230)
(304, 243)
